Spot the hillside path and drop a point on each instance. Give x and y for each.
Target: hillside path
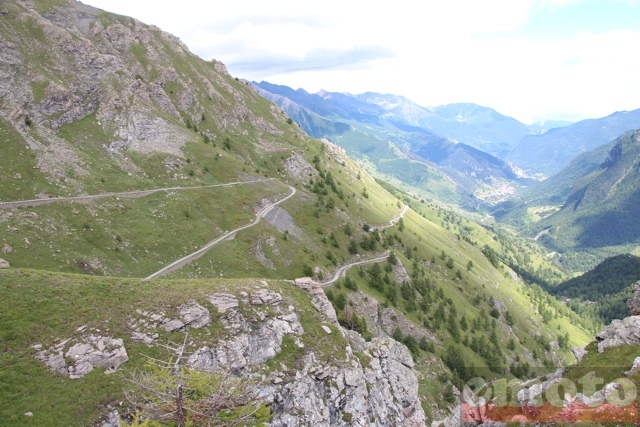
(393, 220)
(344, 268)
(132, 194)
(197, 254)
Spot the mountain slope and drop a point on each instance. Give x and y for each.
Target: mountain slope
(605, 289)
(589, 210)
(125, 152)
(419, 134)
(552, 151)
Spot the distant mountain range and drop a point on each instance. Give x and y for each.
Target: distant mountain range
(452, 152)
(590, 209)
(551, 151)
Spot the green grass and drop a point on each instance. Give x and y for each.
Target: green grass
(19, 177)
(43, 308)
(132, 236)
(609, 365)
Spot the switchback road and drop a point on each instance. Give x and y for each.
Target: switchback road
(197, 254)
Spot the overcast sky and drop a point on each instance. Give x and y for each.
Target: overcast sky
(529, 59)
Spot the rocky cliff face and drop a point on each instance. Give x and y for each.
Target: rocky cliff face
(258, 331)
(134, 85)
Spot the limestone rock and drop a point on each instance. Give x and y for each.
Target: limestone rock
(4, 263)
(223, 301)
(262, 343)
(142, 337)
(634, 302)
(318, 298)
(262, 296)
(112, 419)
(172, 325)
(620, 332)
(499, 305)
(93, 351)
(634, 368)
(385, 393)
(194, 315)
(579, 353)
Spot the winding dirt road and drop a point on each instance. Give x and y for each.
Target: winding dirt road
(344, 268)
(197, 254)
(130, 194)
(394, 220)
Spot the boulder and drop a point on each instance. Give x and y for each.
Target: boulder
(634, 302)
(318, 298)
(194, 315)
(223, 301)
(620, 332)
(634, 368)
(579, 353)
(4, 263)
(172, 325)
(89, 353)
(262, 296)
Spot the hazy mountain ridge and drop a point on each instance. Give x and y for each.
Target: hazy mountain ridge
(479, 177)
(555, 149)
(111, 105)
(589, 209)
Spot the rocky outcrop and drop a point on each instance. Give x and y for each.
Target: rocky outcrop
(194, 315)
(579, 353)
(382, 393)
(634, 302)
(77, 360)
(635, 367)
(223, 301)
(318, 298)
(373, 383)
(136, 85)
(620, 332)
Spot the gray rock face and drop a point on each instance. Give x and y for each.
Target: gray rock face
(262, 296)
(251, 343)
(318, 298)
(194, 315)
(112, 419)
(620, 332)
(262, 343)
(223, 302)
(579, 353)
(384, 393)
(118, 74)
(172, 325)
(634, 302)
(91, 352)
(635, 367)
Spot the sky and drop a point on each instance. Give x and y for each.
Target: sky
(529, 59)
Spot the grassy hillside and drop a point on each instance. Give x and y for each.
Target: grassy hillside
(41, 308)
(588, 211)
(159, 118)
(603, 292)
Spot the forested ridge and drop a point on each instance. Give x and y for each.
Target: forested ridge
(603, 291)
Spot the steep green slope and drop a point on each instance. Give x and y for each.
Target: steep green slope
(603, 291)
(212, 155)
(587, 212)
(552, 151)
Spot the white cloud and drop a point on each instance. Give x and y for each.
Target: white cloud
(432, 52)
